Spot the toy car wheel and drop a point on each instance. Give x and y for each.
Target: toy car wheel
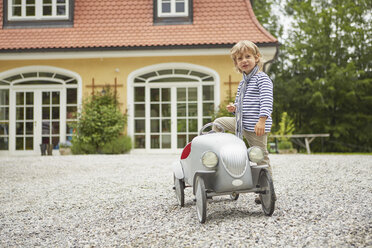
(267, 193)
(179, 188)
(234, 196)
(201, 199)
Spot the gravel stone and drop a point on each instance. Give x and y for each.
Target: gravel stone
(128, 201)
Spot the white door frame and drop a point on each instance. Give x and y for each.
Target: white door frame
(164, 66)
(37, 90)
(71, 80)
(173, 87)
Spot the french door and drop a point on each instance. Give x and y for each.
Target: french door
(36, 116)
(174, 116)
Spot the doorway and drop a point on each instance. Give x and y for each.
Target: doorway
(38, 105)
(168, 104)
(174, 116)
(37, 119)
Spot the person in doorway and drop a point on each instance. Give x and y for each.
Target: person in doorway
(253, 102)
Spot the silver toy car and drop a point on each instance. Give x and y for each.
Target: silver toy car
(219, 163)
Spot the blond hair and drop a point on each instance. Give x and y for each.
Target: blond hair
(244, 46)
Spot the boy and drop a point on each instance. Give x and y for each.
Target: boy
(254, 99)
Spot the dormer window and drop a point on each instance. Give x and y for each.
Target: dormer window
(172, 12)
(36, 13)
(37, 9)
(172, 8)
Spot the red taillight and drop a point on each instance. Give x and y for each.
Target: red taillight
(186, 151)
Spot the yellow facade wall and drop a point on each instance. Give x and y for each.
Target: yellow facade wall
(104, 70)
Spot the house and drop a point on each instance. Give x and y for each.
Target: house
(167, 60)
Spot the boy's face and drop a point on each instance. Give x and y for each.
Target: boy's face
(246, 61)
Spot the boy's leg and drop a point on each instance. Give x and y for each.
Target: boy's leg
(228, 123)
(260, 141)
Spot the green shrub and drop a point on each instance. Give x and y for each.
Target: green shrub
(121, 144)
(286, 127)
(100, 122)
(285, 145)
(221, 111)
(79, 147)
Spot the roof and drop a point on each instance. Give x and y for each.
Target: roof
(129, 24)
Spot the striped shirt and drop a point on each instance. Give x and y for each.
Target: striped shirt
(257, 101)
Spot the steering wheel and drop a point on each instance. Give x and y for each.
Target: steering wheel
(211, 124)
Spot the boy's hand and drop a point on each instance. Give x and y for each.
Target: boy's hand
(231, 107)
(259, 129)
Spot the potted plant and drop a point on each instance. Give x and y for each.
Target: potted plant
(64, 149)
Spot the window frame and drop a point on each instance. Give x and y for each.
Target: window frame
(38, 20)
(5, 123)
(160, 18)
(173, 12)
(38, 11)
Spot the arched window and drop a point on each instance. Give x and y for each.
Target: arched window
(38, 78)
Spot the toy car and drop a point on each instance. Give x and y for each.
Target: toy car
(218, 163)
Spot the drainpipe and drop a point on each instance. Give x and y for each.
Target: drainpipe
(269, 62)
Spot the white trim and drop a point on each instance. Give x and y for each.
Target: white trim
(60, 81)
(167, 76)
(268, 53)
(112, 54)
(163, 66)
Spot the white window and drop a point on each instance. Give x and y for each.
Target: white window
(38, 10)
(170, 8)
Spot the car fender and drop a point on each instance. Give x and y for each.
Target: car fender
(205, 175)
(256, 169)
(177, 170)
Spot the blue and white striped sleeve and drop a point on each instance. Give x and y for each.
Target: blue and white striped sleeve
(265, 86)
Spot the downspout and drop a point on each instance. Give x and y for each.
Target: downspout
(269, 62)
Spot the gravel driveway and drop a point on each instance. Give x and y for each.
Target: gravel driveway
(128, 201)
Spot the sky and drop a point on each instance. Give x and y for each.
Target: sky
(285, 20)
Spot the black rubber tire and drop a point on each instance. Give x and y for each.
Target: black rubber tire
(267, 195)
(179, 189)
(201, 199)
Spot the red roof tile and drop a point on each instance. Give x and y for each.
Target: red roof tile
(123, 23)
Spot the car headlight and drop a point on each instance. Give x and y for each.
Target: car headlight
(209, 159)
(255, 154)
